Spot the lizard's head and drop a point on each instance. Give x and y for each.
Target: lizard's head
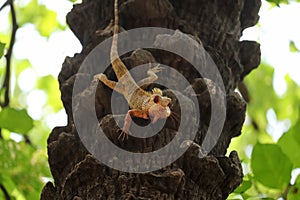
(159, 105)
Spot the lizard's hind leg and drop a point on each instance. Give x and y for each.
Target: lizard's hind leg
(111, 84)
(151, 76)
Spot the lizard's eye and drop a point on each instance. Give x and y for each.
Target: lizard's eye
(156, 99)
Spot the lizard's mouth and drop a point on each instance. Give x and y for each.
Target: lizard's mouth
(159, 112)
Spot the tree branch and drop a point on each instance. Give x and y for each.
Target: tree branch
(4, 5)
(6, 83)
(7, 197)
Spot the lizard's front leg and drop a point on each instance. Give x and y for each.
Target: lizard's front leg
(128, 119)
(111, 84)
(151, 76)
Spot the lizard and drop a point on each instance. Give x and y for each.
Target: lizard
(143, 104)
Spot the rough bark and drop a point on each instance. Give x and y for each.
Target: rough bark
(218, 25)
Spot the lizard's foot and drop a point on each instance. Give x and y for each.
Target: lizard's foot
(111, 84)
(155, 69)
(102, 77)
(123, 135)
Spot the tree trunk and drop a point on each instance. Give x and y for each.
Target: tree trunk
(217, 26)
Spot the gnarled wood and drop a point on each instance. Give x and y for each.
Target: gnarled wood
(217, 25)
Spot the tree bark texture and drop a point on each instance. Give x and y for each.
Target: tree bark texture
(217, 25)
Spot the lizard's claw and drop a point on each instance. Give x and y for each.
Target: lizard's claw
(102, 77)
(156, 69)
(123, 135)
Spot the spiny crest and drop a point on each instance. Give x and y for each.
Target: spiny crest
(156, 91)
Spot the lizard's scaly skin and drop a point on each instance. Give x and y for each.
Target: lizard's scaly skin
(143, 104)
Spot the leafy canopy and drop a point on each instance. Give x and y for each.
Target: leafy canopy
(24, 168)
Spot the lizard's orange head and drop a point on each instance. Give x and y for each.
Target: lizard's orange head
(159, 105)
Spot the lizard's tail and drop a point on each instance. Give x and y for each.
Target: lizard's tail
(117, 64)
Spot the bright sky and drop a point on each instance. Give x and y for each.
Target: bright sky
(278, 27)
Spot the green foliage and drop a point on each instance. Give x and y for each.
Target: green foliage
(278, 2)
(271, 166)
(246, 185)
(271, 162)
(2, 46)
(294, 192)
(5, 38)
(15, 120)
(22, 168)
(39, 15)
(259, 106)
(49, 84)
(290, 143)
(293, 47)
(21, 65)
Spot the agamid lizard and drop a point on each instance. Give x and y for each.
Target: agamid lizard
(143, 104)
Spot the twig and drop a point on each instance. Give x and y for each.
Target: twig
(5, 4)
(7, 197)
(27, 140)
(286, 191)
(6, 83)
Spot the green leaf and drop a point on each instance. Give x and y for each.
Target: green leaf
(15, 120)
(50, 85)
(5, 38)
(289, 144)
(48, 24)
(293, 47)
(243, 187)
(44, 19)
(75, 1)
(263, 82)
(275, 2)
(298, 179)
(278, 2)
(21, 65)
(288, 106)
(2, 46)
(271, 166)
